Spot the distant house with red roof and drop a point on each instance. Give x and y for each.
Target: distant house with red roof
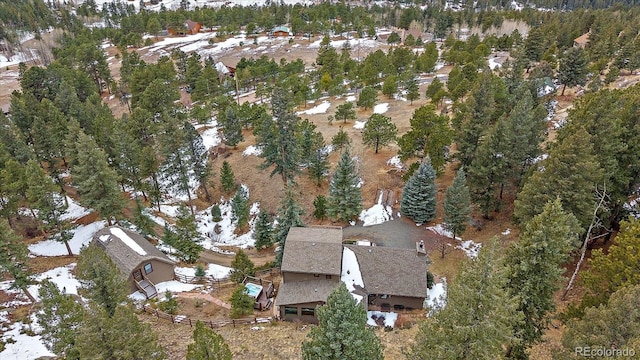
(581, 41)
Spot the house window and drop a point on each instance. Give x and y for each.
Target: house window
(308, 311)
(288, 310)
(328, 276)
(148, 268)
(316, 275)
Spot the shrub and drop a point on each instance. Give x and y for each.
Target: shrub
(430, 280)
(170, 306)
(216, 214)
(241, 303)
(200, 271)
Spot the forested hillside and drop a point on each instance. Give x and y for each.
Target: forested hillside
(508, 140)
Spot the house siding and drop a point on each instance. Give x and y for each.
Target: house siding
(312, 319)
(161, 272)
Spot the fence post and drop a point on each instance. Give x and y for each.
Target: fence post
(157, 315)
(233, 321)
(190, 323)
(172, 319)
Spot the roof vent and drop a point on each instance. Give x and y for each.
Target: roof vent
(316, 290)
(313, 244)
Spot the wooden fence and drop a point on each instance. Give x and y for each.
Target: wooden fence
(184, 320)
(222, 282)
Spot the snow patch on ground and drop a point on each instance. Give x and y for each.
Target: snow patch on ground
(82, 235)
(210, 137)
(437, 295)
(351, 275)
(359, 125)
(350, 98)
(470, 248)
(381, 108)
(74, 210)
(506, 232)
(389, 318)
(493, 64)
(175, 286)
(61, 276)
(19, 345)
(441, 230)
(213, 270)
(377, 214)
(225, 235)
(318, 109)
(252, 150)
(395, 162)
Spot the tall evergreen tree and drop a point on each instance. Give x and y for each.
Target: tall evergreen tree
(188, 238)
(240, 207)
(97, 182)
(573, 69)
(227, 179)
(379, 131)
(241, 302)
(199, 156)
(263, 233)
(289, 215)
(571, 172)
(241, 266)
(341, 139)
(419, 195)
(103, 283)
(278, 139)
(367, 98)
(534, 266)
(478, 319)
(60, 317)
(345, 112)
(117, 336)
(207, 345)
(413, 91)
(345, 197)
(488, 170)
(342, 331)
(231, 127)
(13, 259)
(430, 135)
(457, 204)
(319, 165)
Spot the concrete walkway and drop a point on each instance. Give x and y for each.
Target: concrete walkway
(207, 297)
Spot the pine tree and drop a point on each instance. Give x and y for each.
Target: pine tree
(13, 258)
(571, 173)
(117, 336)
(103, 283)
(289, 215)
(488, 170)
(345, 197)
(367, 98)
(240, 207)
(478, 319)
(241, 302)
(310, 141)
(612, 326)
(207, 345)
(320, 207)
(227, 179)
(319, 165)
(534, 270)
(457, 204)
(144, 225)
(278, 139)
(390, 86)
(413, 91)
(435, 86)
(342, 331)
(345, 112)
(430, 135)
(340, 139)
(188, 238)
(199, 156)
(97, 182)
(60, 317)
(241, 266)
(263, 233)
(179, 166)
(231, 127)
(419, 195)
(42, 196)
(573, 69)
(379, 131)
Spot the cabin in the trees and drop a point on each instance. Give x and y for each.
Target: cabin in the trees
(281, 31)
(310, 269)
(581, 41)
(189, 28)
(139, 261)
(315, 261)
(394, 279)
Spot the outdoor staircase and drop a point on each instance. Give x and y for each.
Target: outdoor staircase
(147, 288)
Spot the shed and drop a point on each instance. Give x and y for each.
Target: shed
(139, 261)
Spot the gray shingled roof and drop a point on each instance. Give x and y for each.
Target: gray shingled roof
(392, 271)
(299, 292)
(123, 255)
(313, 251)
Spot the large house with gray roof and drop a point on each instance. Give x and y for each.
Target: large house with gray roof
(139, 261)
(312, 264)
